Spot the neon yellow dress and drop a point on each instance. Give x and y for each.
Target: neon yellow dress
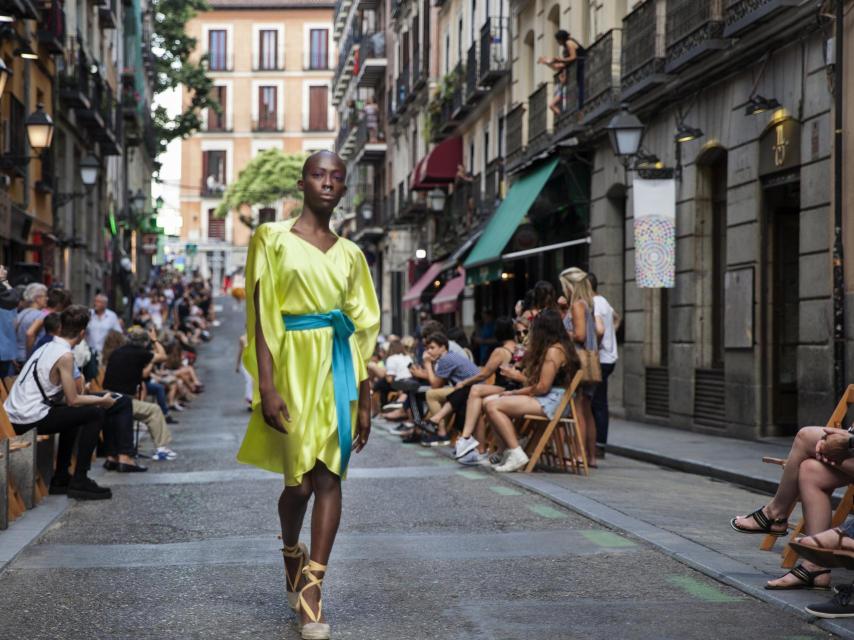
(295, 278)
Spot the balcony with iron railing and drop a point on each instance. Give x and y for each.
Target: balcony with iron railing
(602, 75)
(372, 60)
(339, 17)
(108, 14)
(694, 30)
(494, 59)
(569, 102)
(370, 144)
(742, 15)
(344, 67)
(492, 183)
(515, 126)
(74, 81)
(458, 91)
(50, 31)
(347, 134)
(402, 89)
(474, 92)
(643, 48)
(538, 115)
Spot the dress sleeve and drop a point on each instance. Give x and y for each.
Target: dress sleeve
(362, 306)
(261, 274)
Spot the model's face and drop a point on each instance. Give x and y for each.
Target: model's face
(324, 182)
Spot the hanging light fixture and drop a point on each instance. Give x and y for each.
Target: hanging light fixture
(39, 129)
(625, 132)
(25, 51)
(759, 104)
(89, 168)
(685, 133)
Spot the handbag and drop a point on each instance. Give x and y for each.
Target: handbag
(588, 356)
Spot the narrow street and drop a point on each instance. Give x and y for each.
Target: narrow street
(426, 550)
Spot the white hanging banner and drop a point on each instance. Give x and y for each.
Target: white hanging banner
(655, 232)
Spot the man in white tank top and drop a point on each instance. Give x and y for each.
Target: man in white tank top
(45, 397)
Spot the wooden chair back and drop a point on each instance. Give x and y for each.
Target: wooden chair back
(556, 442)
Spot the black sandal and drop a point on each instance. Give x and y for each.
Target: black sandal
(765, 523)
(807, 580)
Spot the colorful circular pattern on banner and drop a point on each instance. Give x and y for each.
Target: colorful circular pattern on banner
(655, 251)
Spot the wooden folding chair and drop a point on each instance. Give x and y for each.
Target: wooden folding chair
(14, 499)
(558, 442)
(846, 505)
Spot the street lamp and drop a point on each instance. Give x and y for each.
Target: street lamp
(89, 170)
(26, 52)
(420, 254)
(137, 202)
(39, 129)
(437, 199)
(625, 132)
(685, 133)
(367, 211)
(5, 72)
(759, 104)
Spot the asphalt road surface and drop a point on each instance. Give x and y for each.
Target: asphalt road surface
(426, 550)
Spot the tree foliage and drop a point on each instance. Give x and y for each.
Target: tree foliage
(271, 176)
(173, 67)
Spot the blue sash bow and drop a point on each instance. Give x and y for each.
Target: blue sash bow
(343, 375)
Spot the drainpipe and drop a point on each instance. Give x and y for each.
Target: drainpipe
(839, 364)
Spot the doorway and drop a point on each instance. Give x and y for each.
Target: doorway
(782, 281)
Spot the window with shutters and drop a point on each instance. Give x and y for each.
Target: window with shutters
(318, 101)
(217, 121)
(267, 109)
(318, 49)
(213, 173)
(268, 50)
(218, 50)
(216, 226)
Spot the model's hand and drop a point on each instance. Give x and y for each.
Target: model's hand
(363, 429)
(833, 446)
(275, 411)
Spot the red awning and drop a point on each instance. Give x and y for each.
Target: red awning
(447, 300)
(412, 297)
(439, 167)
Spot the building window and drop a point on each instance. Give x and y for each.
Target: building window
(267, 112)
(216, 226)
(218, 49)
(318, 101)
(213, 173)
(318, 49)
(268, 49)
(217, 121)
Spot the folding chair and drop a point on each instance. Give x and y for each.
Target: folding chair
(846, 505)
(558, 441)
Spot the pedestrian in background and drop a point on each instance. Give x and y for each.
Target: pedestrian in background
(607, 323)
(9, 299)
(35, 299)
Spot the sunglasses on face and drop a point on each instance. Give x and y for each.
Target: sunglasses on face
(522, 334)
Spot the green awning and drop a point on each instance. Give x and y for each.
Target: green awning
(506, 219)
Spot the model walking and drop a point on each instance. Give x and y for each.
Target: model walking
(312, 323)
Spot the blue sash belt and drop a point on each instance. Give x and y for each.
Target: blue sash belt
(343, 375)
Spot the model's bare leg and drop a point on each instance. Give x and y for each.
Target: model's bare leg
(292, 506)
(325, 517)
(781, 504)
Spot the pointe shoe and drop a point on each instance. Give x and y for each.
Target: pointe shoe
(314, 630)
(300, 551)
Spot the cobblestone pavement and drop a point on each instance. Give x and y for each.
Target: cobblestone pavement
(426, 550)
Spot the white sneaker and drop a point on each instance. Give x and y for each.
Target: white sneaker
(392, 406)
(166, 451)
(516, 459)
(465, 445)
(474, 459)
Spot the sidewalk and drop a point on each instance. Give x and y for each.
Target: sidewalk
(729, 459)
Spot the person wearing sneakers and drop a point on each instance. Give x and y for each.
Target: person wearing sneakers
(442, 369)
(44, 397)
(549, 364)
(127, 366)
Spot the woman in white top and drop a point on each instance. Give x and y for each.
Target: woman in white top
(45, 397)
(607, 323)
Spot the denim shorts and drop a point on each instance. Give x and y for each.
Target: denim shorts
(550, 401)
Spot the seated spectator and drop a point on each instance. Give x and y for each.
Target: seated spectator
(442, 369)
(45, 397)
(429, 327)
(35, 300)
(58, 300)
(127, 366)
(831, 548)
(818, 463)
(549, 364)
(50, 325)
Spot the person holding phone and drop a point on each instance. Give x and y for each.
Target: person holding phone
(46, 397)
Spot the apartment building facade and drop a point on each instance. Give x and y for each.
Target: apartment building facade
(271, 67)
(66, 209)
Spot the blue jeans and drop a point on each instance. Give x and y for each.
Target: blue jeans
(159, 392)
(599, 404)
